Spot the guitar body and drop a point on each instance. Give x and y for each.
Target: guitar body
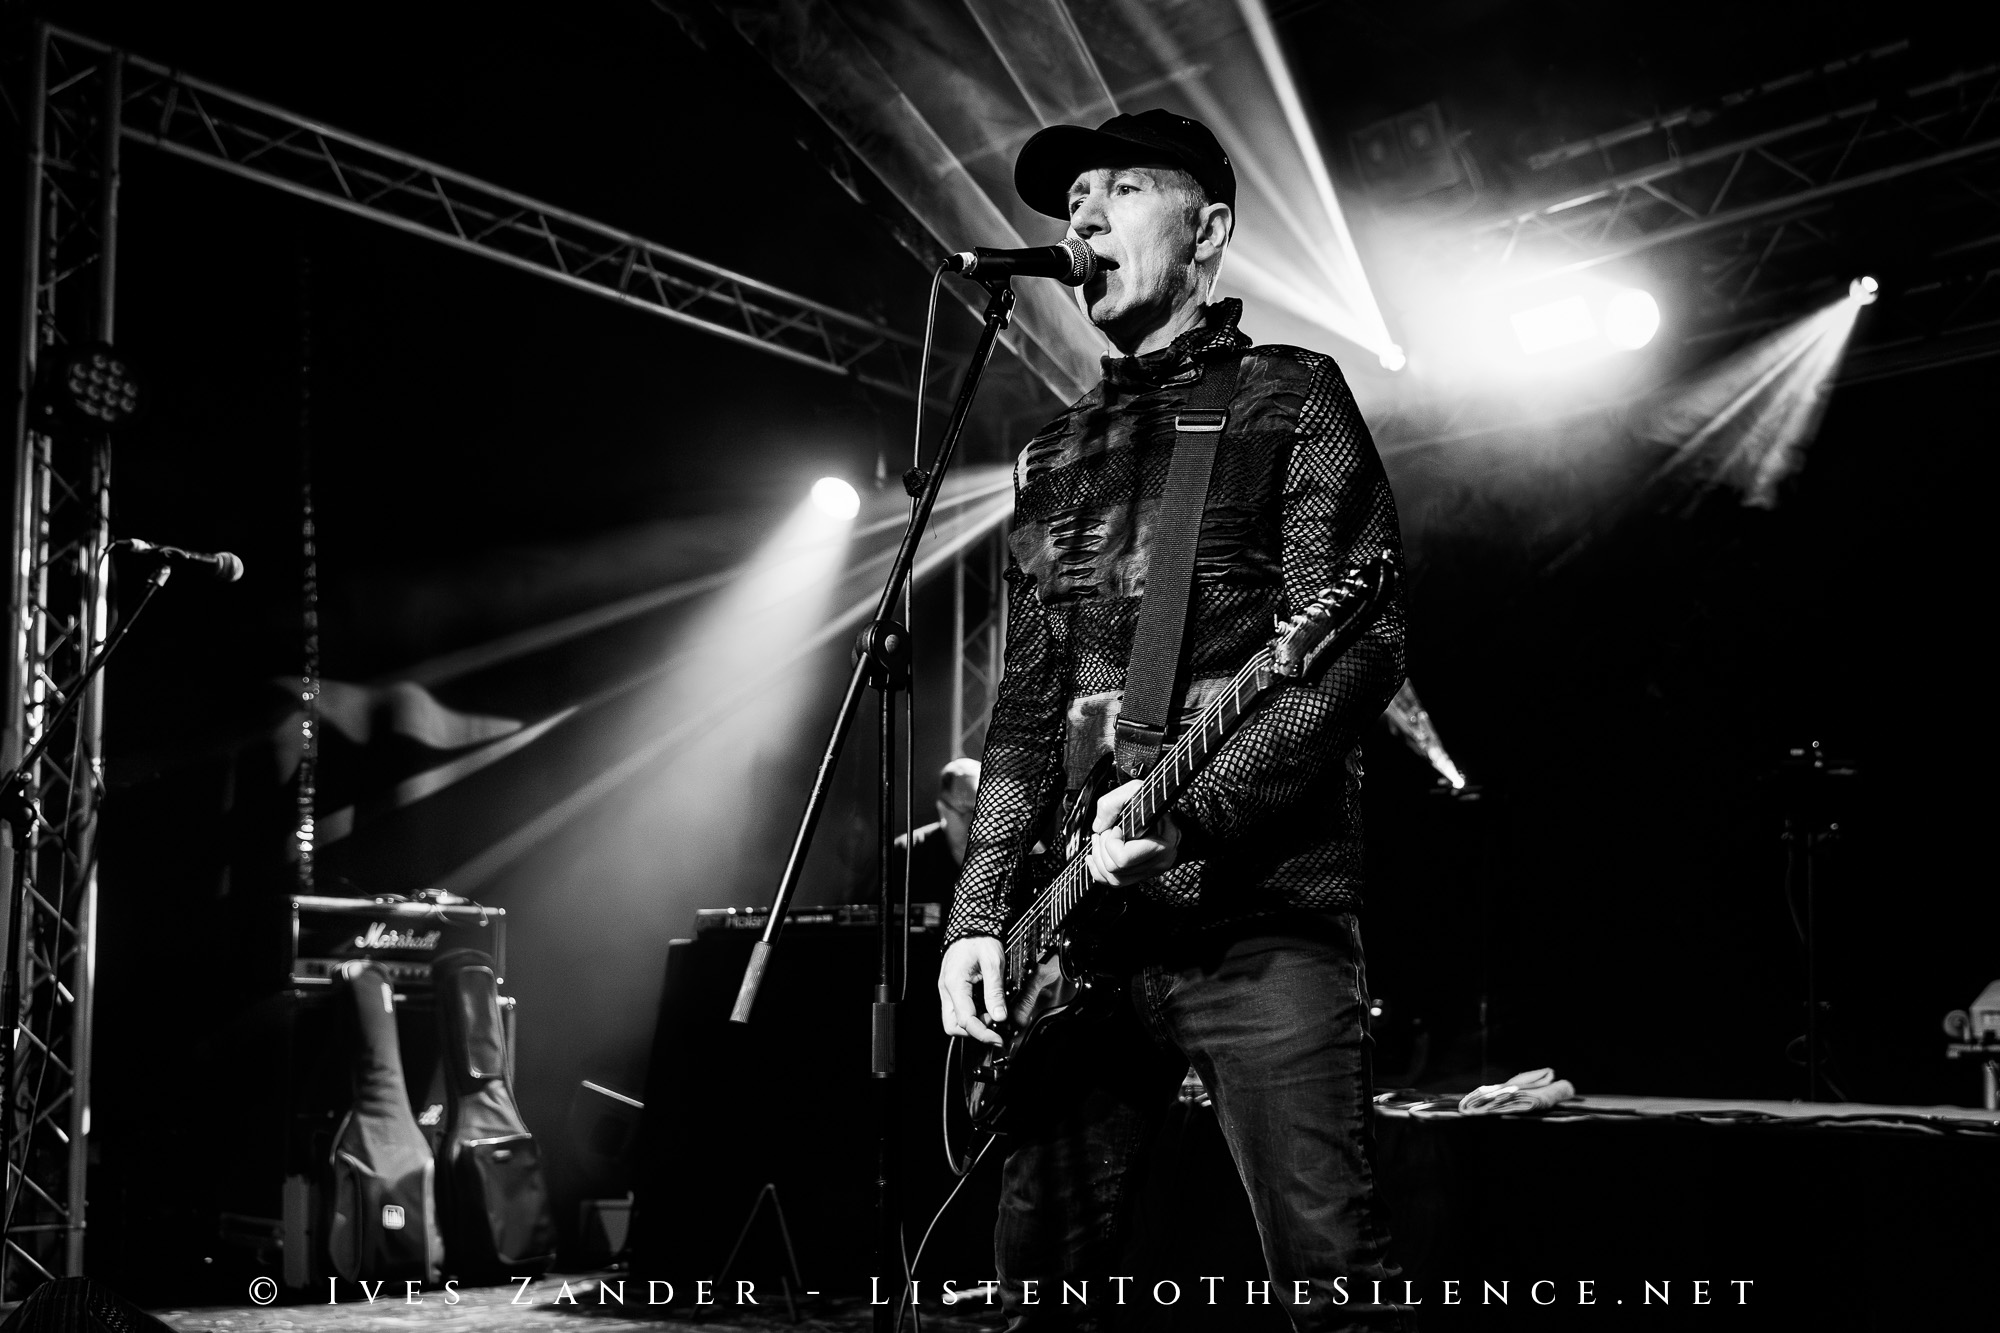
(1010, 1090)
(1035, 1053)
(1017, 1086)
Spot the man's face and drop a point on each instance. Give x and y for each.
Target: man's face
(1138, 217)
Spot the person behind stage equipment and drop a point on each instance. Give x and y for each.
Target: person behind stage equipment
(1242, 955)
(940, 847)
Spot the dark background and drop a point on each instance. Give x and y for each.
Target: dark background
(488, 451)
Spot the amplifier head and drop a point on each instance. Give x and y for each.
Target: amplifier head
(398, 935)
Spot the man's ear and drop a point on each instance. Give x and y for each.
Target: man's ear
(1212, 232)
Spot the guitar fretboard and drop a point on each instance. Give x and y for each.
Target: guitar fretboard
(1035, 931)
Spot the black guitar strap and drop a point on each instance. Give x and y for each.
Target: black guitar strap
(1161, 634)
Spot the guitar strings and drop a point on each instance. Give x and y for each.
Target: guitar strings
(1025, 939)
(1068, 887)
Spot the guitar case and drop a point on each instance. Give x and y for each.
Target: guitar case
(384, 1212)
(493, 1198)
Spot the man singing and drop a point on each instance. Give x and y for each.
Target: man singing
(1242, 955)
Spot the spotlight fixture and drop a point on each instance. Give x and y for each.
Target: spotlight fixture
(92, 385)
(1863, 290)
(1544, 328)
(1393, 359)
(835, 497)
(1631, 318)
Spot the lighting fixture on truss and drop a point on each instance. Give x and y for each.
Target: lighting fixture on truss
(92, 385)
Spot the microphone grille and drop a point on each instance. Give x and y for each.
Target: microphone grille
(228, 566)
(1083, 262)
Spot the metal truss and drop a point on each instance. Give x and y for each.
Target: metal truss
(1771, 200)
(979, 634)
(58, 616)
(80, 100)
(1764, 181)
(188, 118)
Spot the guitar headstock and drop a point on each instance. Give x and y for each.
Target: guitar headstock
(1310, 640)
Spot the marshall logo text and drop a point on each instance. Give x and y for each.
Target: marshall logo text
(380, 936)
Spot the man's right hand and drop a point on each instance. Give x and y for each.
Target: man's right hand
(970, 974)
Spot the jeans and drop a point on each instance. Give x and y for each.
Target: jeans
(1272, 1015)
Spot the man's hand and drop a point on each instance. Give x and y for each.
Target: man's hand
(1116, 859)
(969, 972)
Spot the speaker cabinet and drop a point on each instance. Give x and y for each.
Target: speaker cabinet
(788, 1101)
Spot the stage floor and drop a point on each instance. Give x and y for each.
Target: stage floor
(1607, 1106)
(540, 1309)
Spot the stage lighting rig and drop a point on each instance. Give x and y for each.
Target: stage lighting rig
(1544, 328)
(1624, 318)
(1863, 290)
(833, 496)
(1631, 318)
(92, 385)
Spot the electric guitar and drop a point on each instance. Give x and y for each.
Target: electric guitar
(1071, 918)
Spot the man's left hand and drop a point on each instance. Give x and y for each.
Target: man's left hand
(1117, 859)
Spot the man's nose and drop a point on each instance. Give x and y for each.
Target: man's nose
(1089, 218)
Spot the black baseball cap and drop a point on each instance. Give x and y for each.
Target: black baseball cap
(1053, 159)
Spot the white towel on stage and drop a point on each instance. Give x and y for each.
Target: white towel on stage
(1536, 1090)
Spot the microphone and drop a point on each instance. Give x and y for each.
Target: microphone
(224, 565)
(1072, 263)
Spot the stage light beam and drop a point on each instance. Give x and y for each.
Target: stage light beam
(835, 497)
(1408, 718)
(1863, 290)
(1746, 423)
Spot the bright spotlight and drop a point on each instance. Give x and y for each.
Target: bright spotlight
(1393, 359)
(1557, 324)
(1631, 318)
(836, 497)
(1862, 290)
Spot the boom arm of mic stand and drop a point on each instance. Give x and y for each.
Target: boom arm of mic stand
(998, 307)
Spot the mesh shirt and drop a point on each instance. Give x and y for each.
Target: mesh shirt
(1297, 495)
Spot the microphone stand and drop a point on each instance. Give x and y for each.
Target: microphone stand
(20, 808)
(881, 661)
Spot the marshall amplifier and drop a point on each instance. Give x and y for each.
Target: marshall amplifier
(278, 1081)
(397, 935)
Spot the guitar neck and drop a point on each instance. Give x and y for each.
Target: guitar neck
(1317, 635)
(1037, 928)
(1187, 757)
